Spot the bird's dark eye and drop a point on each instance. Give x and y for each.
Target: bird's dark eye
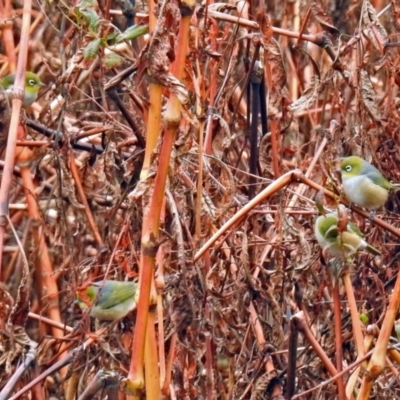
(31, 82)
(348, 168)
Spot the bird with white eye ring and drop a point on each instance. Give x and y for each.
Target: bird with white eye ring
(32, 86)
(363, 184)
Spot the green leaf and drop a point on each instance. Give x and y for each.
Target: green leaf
(364, 318)
(112, 60)
(111, 36)
(132, 33)
(91, 50)
(91, 17)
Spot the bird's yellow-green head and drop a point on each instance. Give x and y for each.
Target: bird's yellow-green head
(32, 86)
(108, 300)
(363, 184)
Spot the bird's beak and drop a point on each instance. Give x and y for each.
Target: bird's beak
(42, 84)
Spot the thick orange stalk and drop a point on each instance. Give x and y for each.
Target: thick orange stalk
(150, 231)
(46, 278)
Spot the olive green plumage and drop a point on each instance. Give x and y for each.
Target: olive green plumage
(363, 184)
(32, 86)
(108, 300)
(337, 243)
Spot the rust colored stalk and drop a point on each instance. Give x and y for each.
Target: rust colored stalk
(252, 24)
(8, 37)
(210, 384)
(155, 102)
(303, 328)
(161, 339)
(170, 360)
(45, 272)
(356, 324)
(153, 125)
(153, 389)
(274, 126)
(12, 133)
(275, 134)
(149, 250)
(212, 88)
(304, 26)
(79, 188)
(150, 232)
(352, 381)
(207, 149)
(377, 362)
(338, 340)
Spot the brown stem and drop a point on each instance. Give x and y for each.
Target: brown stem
(82, 196)
(377, 362)
(12, 133)
(338, 340)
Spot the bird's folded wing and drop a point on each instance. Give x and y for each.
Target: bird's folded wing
(116, 295)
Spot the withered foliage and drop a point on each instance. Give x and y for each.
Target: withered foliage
(223, 325)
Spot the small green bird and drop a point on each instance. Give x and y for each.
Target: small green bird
(340, 243)
(363, 184)
(108, 300)
(32, 86)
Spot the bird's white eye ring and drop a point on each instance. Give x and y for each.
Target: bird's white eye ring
(348, 168)
(31, 82)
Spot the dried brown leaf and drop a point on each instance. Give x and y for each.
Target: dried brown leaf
(374, 29)
(19, 313)
(161, 53)
(261, 384)
(368, 95)
(309, 97)
(395, 12)
(181, 311)
(223, 139)
(222, 188)
(104, 175)
(323, 18)
(66, 180)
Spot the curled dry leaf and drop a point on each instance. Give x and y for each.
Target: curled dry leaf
(368, 95)
(374, 29)
(223, 139)
(395, 13)
(323, 18)
(309, 97)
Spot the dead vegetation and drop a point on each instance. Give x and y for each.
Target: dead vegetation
(195, 154)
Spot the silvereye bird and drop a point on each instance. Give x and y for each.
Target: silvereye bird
(363, 184)
(339, 243)
(108, 300)
(32, 86)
